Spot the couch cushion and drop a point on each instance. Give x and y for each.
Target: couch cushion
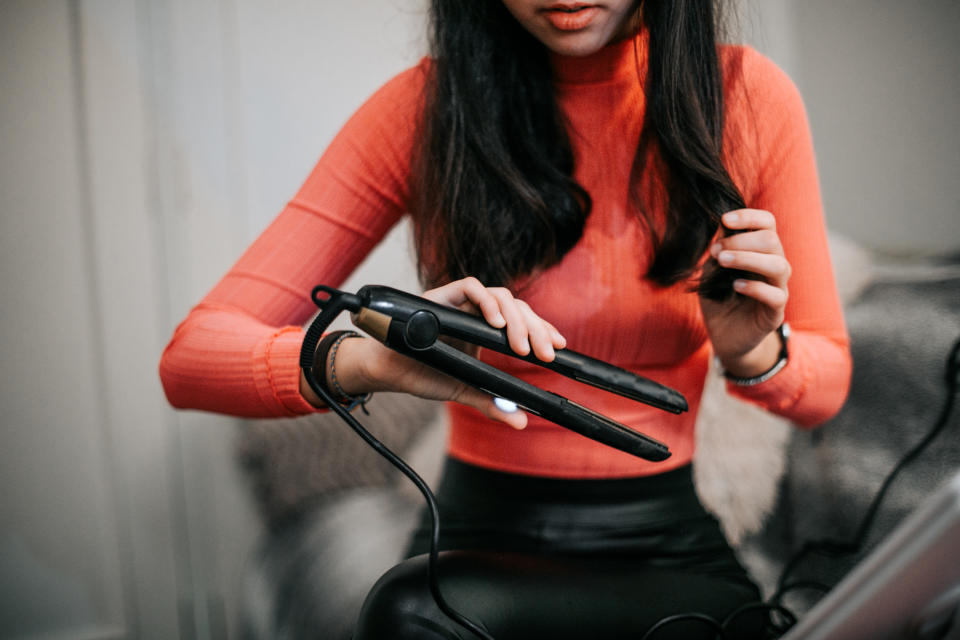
(293, 463)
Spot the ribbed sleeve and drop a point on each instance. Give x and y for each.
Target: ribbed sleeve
(237, 351)
(225, 361)
(814, 385)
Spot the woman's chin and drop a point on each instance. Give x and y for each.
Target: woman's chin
(578, 44)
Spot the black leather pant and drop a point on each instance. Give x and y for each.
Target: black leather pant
(545, 558)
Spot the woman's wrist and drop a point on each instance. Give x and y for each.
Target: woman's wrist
(308, 393)
(345, 372)
(346, 364)
(755, 362)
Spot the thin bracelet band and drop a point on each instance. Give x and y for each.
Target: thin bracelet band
(325, 356)
(342, 396)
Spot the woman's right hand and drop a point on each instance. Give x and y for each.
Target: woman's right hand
(365, 365)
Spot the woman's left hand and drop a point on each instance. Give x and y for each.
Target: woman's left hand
(743, 329)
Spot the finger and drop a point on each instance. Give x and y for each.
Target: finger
(516, 419)
(556, 338)
(774, 268)
(749, 219)
(469, 295)
(541, 340)
(763, 292)
(559, 342)
(517, 331)
(484, 403)
(761, 241)
(488, 304)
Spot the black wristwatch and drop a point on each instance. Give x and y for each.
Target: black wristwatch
(784, 332)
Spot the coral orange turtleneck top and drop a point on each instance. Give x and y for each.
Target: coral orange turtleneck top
(237, 350)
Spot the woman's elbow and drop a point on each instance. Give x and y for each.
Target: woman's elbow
(171, 378)
(834, 387)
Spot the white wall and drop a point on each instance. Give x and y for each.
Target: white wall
(881, 81)
(144, 144)
(60, 546)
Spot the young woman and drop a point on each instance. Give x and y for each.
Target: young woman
(601, 175)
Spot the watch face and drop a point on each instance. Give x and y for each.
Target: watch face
(784, 332)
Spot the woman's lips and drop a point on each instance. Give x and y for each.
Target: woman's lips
(571, 17)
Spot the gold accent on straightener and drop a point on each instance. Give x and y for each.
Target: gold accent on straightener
(373, 322)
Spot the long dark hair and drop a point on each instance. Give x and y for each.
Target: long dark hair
(493, 192)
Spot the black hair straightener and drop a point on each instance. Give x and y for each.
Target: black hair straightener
(413, 326)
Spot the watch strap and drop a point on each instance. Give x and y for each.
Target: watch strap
(784, 332)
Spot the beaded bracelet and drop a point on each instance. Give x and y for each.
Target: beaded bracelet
(326, 355)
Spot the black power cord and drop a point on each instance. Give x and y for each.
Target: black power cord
(839, 548)
(833, 548)
(827, 546)
(331, 303)
(404, 468)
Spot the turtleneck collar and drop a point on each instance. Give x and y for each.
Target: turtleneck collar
(624, 59)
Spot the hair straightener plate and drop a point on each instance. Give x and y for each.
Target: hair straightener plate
(413, 326)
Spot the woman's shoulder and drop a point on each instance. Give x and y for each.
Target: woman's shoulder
(749, 77)
(411, 79)
(403, 91)
(764, 114)
(387, 121)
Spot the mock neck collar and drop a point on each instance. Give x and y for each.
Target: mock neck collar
(621, 60)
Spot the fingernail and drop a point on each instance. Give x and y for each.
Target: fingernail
(499, 319)
(739, 285)
(526, 345)
(715, 249)
(730, 218)
(725, 257)
(507, 406)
